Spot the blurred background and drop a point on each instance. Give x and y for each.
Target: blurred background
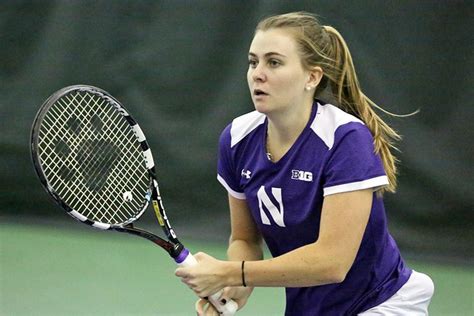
(180, 67)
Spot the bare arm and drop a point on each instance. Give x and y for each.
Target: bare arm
(343, 221)
(245, 242)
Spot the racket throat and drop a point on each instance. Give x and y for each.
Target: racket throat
(174, 248)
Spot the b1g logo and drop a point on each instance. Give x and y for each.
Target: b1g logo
(302, 175)
(265, 203)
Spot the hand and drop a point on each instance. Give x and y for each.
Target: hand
(205, 278)
(239, 294)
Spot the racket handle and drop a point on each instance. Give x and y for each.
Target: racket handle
(186, 259)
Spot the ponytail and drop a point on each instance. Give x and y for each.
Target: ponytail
(323, 46)
(346, 90)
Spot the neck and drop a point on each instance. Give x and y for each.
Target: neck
(283, 130)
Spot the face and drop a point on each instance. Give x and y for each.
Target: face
(276, 77)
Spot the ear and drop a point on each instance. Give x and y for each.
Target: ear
(315, 76)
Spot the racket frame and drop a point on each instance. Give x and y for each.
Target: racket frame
(172, 245)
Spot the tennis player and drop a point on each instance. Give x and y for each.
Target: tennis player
(308, 177)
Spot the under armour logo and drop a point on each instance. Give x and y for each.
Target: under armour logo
(246, 173)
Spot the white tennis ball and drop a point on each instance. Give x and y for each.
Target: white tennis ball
(127, 196)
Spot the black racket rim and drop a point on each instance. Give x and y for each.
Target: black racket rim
(173, 246)
(43, 110)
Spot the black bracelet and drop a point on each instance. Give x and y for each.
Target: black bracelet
(243, 274)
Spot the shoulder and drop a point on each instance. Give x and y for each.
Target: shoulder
(330, 120)
(242, 126)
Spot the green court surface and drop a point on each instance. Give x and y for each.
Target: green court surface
(48, 270)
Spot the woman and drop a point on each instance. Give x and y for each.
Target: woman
(308, 178)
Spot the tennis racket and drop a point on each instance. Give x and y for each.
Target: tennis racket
(93, 158)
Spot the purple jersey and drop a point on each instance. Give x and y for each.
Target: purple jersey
(333, 154)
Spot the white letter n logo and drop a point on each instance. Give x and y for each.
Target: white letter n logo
(275, 212)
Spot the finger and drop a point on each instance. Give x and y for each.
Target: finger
(185, 281)
(199, 255)
(227, 294)
(201, 292)
(211, 311)
(200, 306)
(191, 286)
(204, 308)
(180, 272)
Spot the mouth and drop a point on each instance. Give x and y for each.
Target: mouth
(258, 92)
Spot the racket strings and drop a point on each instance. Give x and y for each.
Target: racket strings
(73, 140)
(90, 156)
(101, 216)
(58, 122)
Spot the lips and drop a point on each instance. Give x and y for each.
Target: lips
(259, 92)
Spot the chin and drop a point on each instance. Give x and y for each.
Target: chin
(262, 107)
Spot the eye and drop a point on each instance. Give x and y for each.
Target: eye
(253, 63)
(274, 63)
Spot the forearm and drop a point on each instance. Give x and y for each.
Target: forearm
(306, 266)
(239, 250)
(326, 261)
(330, 258)
(313, 264)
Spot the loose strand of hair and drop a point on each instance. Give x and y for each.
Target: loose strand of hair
(352, 99)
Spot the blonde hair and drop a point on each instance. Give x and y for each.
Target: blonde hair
(323, 46)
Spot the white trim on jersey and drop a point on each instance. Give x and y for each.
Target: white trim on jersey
(327, 120)
(237, 195)
(360, 185)
(244, 125)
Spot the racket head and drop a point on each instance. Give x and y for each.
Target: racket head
(92, 157)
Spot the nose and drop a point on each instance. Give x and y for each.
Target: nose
(258, 73)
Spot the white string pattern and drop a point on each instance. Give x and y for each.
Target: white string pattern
(92, 159)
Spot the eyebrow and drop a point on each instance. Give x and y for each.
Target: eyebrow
(267, 54)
